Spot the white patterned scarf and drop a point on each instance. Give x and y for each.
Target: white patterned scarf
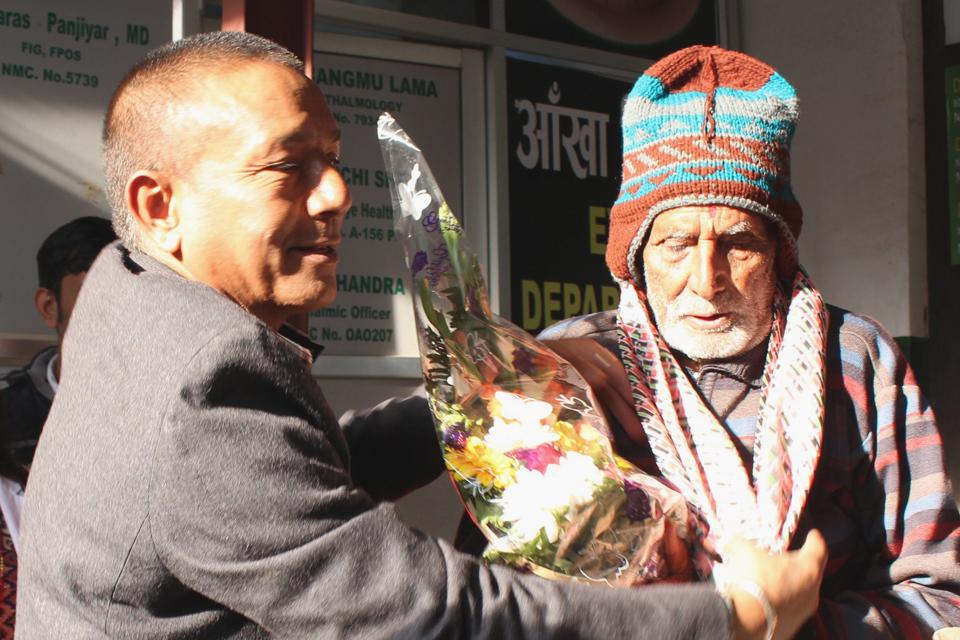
(697, 453)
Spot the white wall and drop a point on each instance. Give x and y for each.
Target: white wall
(858, 161)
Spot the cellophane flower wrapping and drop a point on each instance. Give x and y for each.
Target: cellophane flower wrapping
(528, 452)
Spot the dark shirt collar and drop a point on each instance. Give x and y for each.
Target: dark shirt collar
(747, 367)
(301, 341)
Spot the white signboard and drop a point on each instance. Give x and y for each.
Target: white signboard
(373, 312)
(60, 60)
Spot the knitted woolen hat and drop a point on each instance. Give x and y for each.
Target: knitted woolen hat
(705, 126)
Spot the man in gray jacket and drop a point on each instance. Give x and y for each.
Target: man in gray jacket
(192, 482)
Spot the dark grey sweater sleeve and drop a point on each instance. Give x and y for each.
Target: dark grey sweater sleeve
(393, 446)
(252, 506)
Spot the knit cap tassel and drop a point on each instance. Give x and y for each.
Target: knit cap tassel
(709, 71)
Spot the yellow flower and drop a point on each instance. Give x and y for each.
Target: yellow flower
(625, 465)
(481, 463)
(582, 438)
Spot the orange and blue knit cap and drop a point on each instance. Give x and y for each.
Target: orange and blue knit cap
(705, 126)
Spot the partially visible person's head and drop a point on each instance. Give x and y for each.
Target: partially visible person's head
(706, 220)
(222, 162)
(62, 262)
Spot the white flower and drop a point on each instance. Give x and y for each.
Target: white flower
(575, 476)
(535, 501)
(413, 202)
(508, 436)
(528, 506)
(513, 406)
(519, 423)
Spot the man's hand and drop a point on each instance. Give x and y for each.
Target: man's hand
(679, 563)
(791, 582)
(604, 373)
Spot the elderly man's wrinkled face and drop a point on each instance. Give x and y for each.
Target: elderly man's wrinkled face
(710, 280)
(261, 207)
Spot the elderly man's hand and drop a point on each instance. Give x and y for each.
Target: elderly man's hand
(679, 564)
(604, 373)
(790, 581)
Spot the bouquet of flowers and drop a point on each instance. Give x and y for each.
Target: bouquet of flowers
(526, 448)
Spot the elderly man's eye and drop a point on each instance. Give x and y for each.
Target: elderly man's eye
(744, 247)
(676, 245)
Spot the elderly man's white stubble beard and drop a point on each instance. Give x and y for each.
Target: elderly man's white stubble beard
(749, 323)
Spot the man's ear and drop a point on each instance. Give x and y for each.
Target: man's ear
(149, 196)
(47, 306)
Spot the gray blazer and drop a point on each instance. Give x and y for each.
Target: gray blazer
(191, 482)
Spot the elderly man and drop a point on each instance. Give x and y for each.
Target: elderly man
(773, 412)
(212, 496)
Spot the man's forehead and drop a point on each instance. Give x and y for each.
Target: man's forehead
(291, 108)
(709, 218)
(245, 85)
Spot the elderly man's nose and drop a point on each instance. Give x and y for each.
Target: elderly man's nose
(708, 276)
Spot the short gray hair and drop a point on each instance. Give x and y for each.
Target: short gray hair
(138, 133)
